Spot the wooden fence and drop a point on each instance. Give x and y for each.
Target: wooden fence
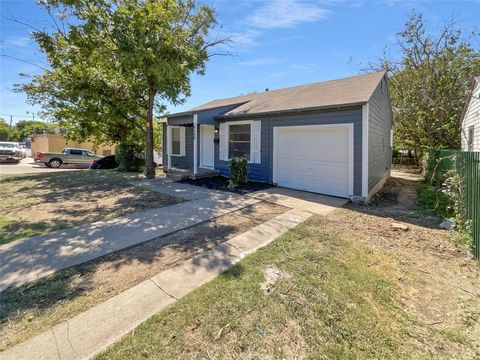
(467, 166)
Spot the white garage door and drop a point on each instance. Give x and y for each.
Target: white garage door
(314, 158)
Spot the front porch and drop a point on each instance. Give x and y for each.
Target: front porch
(190, 147)
(183, 174)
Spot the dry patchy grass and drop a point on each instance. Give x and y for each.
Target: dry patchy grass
(30, 309)
(357, 288)
(35, 204)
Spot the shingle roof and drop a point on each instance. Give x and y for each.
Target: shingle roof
(340, 92)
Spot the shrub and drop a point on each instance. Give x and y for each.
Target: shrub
(432, 200)
(238, 169)
(130, 156)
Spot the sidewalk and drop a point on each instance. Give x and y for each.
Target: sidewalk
(89, 333)
(31, 259)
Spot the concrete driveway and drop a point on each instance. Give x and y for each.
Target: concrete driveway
(300, 200)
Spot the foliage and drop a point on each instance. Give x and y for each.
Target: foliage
(130, 156)
(29, 127)
(431, 200)
(428, 84)
(238, 169)
(453, 189)
(24, 128)
(112, 62)
(4, 131)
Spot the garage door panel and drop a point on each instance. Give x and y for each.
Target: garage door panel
(301, 168)
(297, 146)
(313, 159)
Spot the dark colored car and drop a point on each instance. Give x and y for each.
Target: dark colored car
(107, 162)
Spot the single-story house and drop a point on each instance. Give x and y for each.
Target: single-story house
(332, 137)
(471, 118)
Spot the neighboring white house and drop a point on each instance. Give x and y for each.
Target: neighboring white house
(471, 119)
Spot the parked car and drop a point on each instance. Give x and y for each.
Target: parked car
(10, 151)
(67, 156)
(107, 162)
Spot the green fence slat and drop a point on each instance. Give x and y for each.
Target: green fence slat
(467, 166)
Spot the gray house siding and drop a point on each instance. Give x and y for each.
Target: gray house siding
(181, 162)
(257, 172)
(264, 170)
(379, 132)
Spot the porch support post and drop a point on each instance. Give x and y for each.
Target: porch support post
(169, 147)
(195, 144)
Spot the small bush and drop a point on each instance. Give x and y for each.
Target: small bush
(431, 200)
(130, 156)
(238, 169)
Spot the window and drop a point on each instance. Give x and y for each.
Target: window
(75, 152)
(175, 141)
(239, 141)
(470, 138)
(88, 153)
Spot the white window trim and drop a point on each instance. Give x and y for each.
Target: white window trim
(227, 134)
(182, 141)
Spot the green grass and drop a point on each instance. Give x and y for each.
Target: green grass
(334, 305)
(430, 200)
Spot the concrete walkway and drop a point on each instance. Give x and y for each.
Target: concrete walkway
(176, 189)
(300, 200)
(31, 259)
(89, 333)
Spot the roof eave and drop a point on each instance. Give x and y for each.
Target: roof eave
(292, 111)
(180, 114)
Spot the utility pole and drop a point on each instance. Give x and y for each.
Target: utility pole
(10, 128)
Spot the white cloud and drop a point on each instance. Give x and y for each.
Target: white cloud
(286, 14)
(245, 38)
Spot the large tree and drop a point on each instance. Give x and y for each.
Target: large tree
(113, 64)
(428, 84)
(29, 127)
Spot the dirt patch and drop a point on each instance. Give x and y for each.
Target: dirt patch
(439, 282)
(36, 204)
(221, 183)
(272, 276)
(28, 310)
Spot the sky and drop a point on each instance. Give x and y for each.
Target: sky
(274, 43)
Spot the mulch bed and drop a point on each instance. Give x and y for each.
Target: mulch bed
(221, 183)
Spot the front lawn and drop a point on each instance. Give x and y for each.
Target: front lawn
(35, 204)
(330, 303)
(30, 309)
(351, 286)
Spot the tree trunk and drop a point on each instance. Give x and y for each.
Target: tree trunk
(149, 165)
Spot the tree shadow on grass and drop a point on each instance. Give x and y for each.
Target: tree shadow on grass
(79, 280)
(50, 192)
